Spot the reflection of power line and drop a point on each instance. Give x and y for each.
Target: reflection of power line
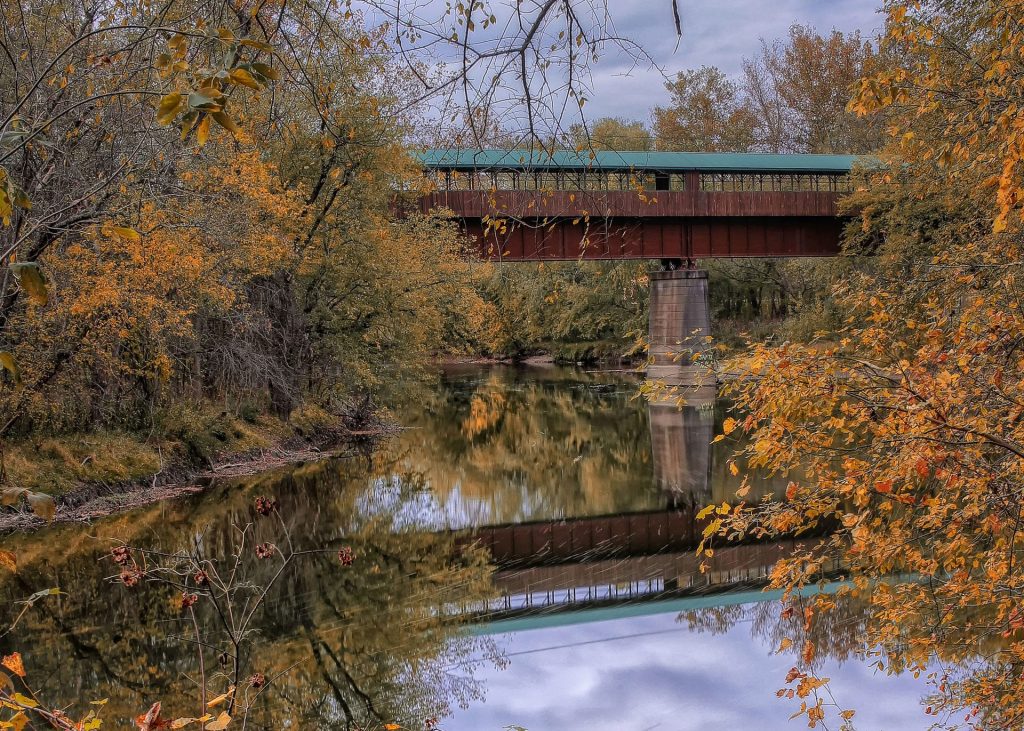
(583, 643)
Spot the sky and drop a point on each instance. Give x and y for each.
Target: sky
(715, 33)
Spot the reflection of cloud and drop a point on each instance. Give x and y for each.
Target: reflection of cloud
(715, 33)
(653, 673)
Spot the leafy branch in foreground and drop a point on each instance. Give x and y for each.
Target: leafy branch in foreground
(902, 433)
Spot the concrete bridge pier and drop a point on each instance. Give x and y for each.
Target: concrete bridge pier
(680, 329)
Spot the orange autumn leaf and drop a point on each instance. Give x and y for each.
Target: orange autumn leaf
(13, 663)
(922, 467)
(807, 655)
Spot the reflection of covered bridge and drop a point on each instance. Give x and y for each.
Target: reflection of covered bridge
(564, 565)
(676, 207)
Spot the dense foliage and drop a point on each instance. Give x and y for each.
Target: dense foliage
(200, 205)
(909, 426)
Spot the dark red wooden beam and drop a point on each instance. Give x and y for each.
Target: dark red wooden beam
(536, 225)
(658, 238)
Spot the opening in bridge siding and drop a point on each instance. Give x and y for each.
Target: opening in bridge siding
(633, 180)
(775, 182)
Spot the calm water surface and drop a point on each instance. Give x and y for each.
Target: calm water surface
(587, 610)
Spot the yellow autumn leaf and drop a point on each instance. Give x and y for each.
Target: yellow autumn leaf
(729, 425)
(221, 698)
(241, 77)
(8, 363)
(225, 121)
(203, 131)
(128, 234)
(220, 724)
(23, 700)
(169, 107)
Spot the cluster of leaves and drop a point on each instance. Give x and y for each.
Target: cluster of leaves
(907, 423)
(261, 267)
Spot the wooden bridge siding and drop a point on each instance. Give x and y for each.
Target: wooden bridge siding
(660, 238)
(738, 562)
(629, 204)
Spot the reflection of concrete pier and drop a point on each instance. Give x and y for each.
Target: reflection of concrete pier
(681, 447)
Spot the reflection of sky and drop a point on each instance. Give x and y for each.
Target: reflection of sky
(652, 672)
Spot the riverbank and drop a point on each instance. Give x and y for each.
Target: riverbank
(93, 475)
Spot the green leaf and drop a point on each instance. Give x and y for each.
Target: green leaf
(30, 277)
(9, 364)
(204, 100)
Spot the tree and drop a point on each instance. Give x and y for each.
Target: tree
(707, 114)
(908, 429)
(799, 89)
(613, 133)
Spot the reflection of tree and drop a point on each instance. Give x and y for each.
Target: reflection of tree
(515, 445)
(836, 634)
(504, 445)
(368, 642)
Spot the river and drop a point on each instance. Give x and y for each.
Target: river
(587, 610)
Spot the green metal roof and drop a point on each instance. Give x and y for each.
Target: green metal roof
(471, 159)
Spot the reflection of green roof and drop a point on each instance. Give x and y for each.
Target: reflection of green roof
(469, 159)
(564, 615)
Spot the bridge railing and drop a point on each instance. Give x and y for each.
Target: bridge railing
(637, 181)
(775, 183)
